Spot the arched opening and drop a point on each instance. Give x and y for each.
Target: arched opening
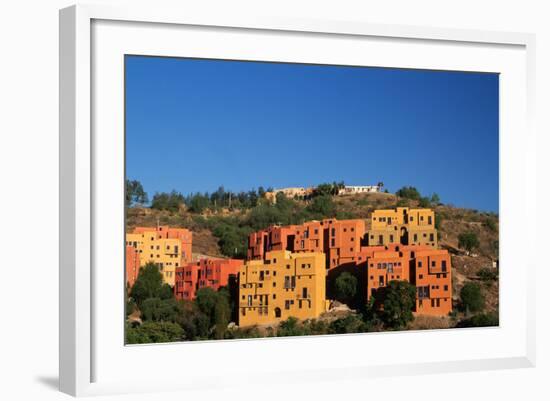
(277, 312)
(404, 236)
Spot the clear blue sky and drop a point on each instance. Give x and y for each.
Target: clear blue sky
(193, 125)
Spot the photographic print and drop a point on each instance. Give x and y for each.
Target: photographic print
(270, 199)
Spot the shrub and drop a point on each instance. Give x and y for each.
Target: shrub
(409, 193)
(153, 332)
(471, 298)
(468, 241)
(345, 287)
(488, 274)
(480, 320)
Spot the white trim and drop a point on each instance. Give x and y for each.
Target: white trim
(75, 172)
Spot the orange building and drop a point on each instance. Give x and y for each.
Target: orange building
(132, 265)
(168, 248)
(340, 240)
(426, 268)
(212, 273)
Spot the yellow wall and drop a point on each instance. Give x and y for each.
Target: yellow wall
(166, 253)
(418, 225)
(292, 283)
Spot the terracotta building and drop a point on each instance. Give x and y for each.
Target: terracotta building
(403, 225)
(283, 285)
(340, 240)
(167, 247)
(132, 265)
(211, 273)
(426, 268)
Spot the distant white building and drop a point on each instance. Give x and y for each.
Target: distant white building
(360, 189)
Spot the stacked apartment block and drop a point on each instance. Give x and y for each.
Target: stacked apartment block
(168, 248)
(399, 244)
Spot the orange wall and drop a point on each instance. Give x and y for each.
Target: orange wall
(212, 273)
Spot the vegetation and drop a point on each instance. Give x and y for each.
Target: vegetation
(468, 241)
(327, 189)
(135, 193)
(472, 300)
(153, 332)
(399, 299)
(167, 201)
(488, 274)
(480, 320)
(345, 287)
(409, 193)
(149, 285)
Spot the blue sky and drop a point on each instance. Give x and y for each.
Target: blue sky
(193, 125)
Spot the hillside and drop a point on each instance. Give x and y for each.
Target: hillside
(225, 231)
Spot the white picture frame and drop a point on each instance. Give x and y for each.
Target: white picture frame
(87, 355)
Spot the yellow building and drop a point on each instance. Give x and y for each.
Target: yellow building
(153, 246)
(403, 225)
(285, 284)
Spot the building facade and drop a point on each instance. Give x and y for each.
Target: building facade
(429, 270)
(169, 248)
(403, 225)
(282, 285)
(133, 265)
(206, 273)
(339, 240)
(359, 189)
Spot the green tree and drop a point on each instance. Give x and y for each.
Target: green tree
(167, 201)
(424, 202)
(435, 199)
(135, 193)
(468, 241)
(409, 193)
(348, 324)
(322, 206)
(215, 305)
(471, 298)
(398, 298)
(156, 309)
(290, 327)
(149, 284)
(345, 287)
(153, 332)
(199, 203)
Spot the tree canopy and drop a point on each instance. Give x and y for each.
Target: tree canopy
(135, 193)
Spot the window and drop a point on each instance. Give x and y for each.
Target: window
(250, 300)
(415, 237)
(391, 237)
(433, 263)
(304, 292)
(419, 263)
(430, 221)
(287, 304)
(332, 242)
(446, 287)
(431, 237)
(380, 239)
(444, 265)
(381, 281)
(420, 276)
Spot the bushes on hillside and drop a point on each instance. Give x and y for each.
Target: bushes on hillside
(468, 241)
(471, 297)
(167, 201)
